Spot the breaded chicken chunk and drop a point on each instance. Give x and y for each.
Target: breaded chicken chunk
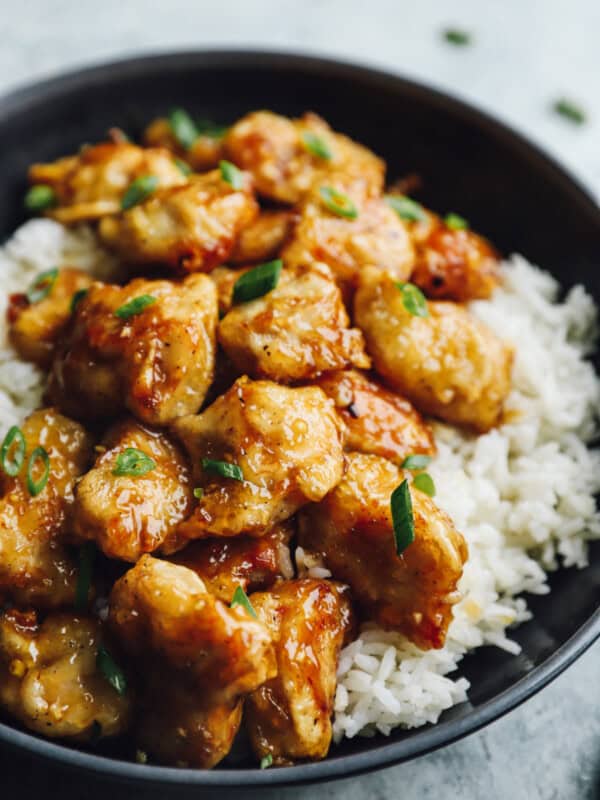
(447, 363)
(38, 318)
(203, 154)
(190, 228)
(50, 680)
(263, 238)
(93, 183)
(377, 421)
(286, 157)
(294, 332)
(289, 717)
(353, 532)
(282, 446)
(139, 489)
(34, 566)
(148, 347)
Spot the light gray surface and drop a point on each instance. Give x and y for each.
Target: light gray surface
(526, 53)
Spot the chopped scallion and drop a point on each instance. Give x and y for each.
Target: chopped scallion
(257, 282)
(36, 486)
(402, 517)
(14, 437)
(240, 598)
(405, 207)
(266, 761)
(569, 110)
(416, 461)
(457, 37)
(338, 203)
(455, 222)
(183, 127)
(317, 146)
(135, 306)
(77, 298)
(40, 197)
(111, 671)
(139, 190)
(198, 493)
(42, 285)
(413, 299)
(231, 174)
(223, 468)
(424, 483)
(133, 462)
(183, 167)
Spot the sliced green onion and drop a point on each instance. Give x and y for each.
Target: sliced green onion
(132, 461)
(77, 298)
(569, 110)
(317, 146)
(424, 483)
(416, 461)
(455, 222)
(135, 306)
(183, 128)
(111, 671)
(231, 174)
(40, 197)
(35, 487)
(206, 127)
(402, 517)
(183, 167)
(87, 553)
(338, 203)
(257, 282)
(266, 761)
(240, 598)
(139, 190)
(223, 468)
(12, 466)
(42, 285)
(457, 37)
(413, 299)
(198, 493)
(405, 207)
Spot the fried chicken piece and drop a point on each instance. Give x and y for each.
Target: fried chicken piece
(448, 364)
(352, 530)
(155, 358)
(34, 566)
(289, 717)
(377, 421)
(92, 184)
(128, 514)
(287, 444)
(50, 681)
(295, 332)
(204, 154)
(35, 326)
(278, 153)
(162, 610)
(190, 228)
(264, 238)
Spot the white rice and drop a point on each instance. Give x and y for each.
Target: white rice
(523, 495)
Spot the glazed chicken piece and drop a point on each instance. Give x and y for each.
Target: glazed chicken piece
(263, 238)
(92, 184)
(352, 530)
(38, 318)
(204, 154)
(136, 510)
(190, 228)
(34, 566)
(295, 332)
(287, 444)
(448, 363)
(289, 717)
(283, 155)
(50, 680)
(148, 346)
(377, 421)
(250, 562)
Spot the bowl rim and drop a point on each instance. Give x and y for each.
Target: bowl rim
(423, 740)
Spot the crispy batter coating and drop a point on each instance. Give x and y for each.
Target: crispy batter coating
(274, 149)
(91, 184)
(288, 444)
(35, 328)
(263, 238)
(204, 154)
(377, 421)
(448, 364)
(289, 717)
(129, 515)
(49, 679)
(34, 566)
(158, 362)
(352, 530)
(295, 332)
(190, 228)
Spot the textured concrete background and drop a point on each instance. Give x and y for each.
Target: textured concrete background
(526, 53)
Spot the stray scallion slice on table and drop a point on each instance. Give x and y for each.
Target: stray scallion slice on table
(317, 146)
(40, 197)
(12, 453)
(569, 110)
(240, 598)
(42, 285)
(198, 493)
(231, 174)
(223, 468)
(416, 461)
(36, 484)
(139, 190)
(133, 462)
(135, 306)
(87, 553)
(405, 207)
(257, 282)
(402, 517)
(338, 203)
(424, 483)
(77, 298)
(266, 761)
(413, 299)
(111, 670)
(455, 222)
(183, 127)
(458, 37)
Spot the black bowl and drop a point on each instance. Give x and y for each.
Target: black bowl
(469, 163)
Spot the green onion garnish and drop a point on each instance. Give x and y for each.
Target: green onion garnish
(240, 598)
(35, 487)
(12, 466)
(317, 146)
(266, 761)
(413, 299)
(183, 128)
(223, 468)
(40, 197)
(77, 298)
(455, 222)
(257, 282)
(424, 483)
(569, 110)
(42, 285)
(402, 517)
(231, 174)
(183, 167)
(132, 461)
(198, 493)
(113, 673)
(338, 203)
(139, 190)
(416, 461)
(405, 207)
(457, 37)
(135, 306)
(207, 127)
(87, 552)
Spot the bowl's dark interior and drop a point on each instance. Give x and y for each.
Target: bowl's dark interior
(468, 164)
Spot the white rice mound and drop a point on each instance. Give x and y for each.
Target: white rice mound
(522, 495)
